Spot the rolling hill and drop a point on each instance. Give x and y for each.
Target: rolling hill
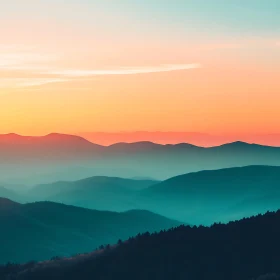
(38, 231)
(197, 198)
(241, 250)
(215, 195)
(100, 192)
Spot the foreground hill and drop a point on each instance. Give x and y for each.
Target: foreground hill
(216, 195)
(100, 192)
(41, 230)
(56, 157)
(243, 250)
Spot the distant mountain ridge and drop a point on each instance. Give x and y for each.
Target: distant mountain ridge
(13, 138)
(49, 146)
(16, 139)
(173, 137)
(36, 160)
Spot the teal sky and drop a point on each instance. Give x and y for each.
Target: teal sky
(237, 17)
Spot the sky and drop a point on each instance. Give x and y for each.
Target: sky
(79, 66)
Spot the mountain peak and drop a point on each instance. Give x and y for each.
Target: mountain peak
(10, 137)
(61, 136)
(135, 146)
(140, 143)
(237, 143)
(241, 144)
(6, 203)
(13, 138)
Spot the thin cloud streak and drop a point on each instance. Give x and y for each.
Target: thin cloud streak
(40, 82)
(12, 61)
(17, 58)
(28, 82)
(16, 47)
(124, 70)
(26, 58)
(68, 75)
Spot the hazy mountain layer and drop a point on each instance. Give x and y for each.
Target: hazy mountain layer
(6, 193)
(198, 198)
(41, 230)
(102, 193)
(56, 157)
(216, 195)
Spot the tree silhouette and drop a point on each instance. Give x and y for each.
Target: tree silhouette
(241, 250)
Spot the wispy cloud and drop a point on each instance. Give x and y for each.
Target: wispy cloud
(20, 57)
(39, 82)
(123, 70)
(22, 60)
(18, 62)
(28, 82)
(16, 47)
(67, 75)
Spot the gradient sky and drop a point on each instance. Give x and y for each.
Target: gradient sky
(127, 65)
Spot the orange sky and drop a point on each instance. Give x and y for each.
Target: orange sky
(105, 71)
(213, 100)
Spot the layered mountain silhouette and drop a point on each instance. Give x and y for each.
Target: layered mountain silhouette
(197, 198)
(195, 138)
(216, 195)
(9, 194)
(56, 157)
(100, 192)
(14, 147)
(91, 195)
(246, 249)
(38, 231)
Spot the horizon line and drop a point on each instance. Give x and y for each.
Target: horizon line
(141, 141)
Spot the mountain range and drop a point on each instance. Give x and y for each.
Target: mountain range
(56, 157)
(198, 198)
(173, 137)
(98, 192)
(62, 196)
